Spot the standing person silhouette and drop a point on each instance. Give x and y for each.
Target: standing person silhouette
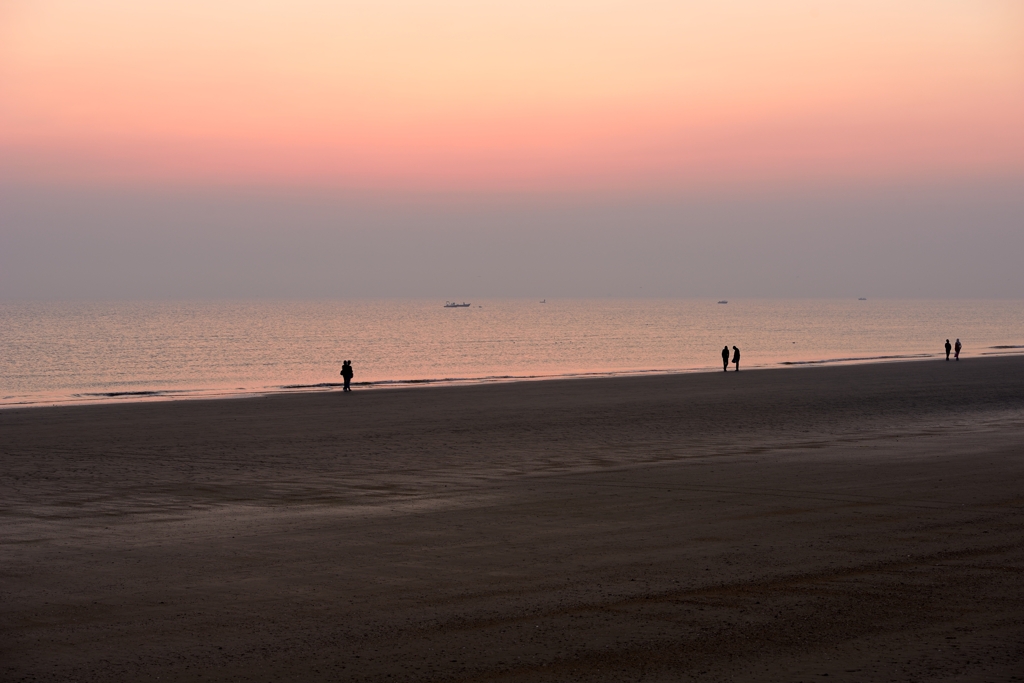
(956, 350)
(725, 359)
(949, 347)
(346, 373)
(736, 357)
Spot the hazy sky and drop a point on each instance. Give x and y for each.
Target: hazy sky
(468, 148)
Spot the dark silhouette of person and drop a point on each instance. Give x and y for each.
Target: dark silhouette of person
(346, 373)
(956, 350)
(736, 357)
(725, 359)
(949, 347)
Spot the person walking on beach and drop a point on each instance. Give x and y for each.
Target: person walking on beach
(949, 347)
(736, 357)
(725, 359)
(956, 350)
(346, 374)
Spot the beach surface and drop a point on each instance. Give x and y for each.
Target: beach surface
(860, 523)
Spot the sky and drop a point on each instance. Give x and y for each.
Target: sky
(472, 148)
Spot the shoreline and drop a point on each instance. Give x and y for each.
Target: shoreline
(174, 395)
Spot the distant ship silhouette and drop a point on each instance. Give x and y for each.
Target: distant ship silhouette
(723, 301)
(452, 304)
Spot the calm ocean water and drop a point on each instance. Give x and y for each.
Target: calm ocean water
(85, 352)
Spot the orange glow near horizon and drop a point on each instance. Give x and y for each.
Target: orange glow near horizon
(453, 95)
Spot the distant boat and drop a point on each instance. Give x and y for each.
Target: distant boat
(452, 304)
(543, 301)
(862, 299)
(723, 301)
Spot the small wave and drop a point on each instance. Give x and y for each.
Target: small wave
(507, 378)
(1008, 346)
(112, 394)
(439, 380)
(444, 380)
(850, 360)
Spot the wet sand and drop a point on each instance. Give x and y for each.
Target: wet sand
(864, 522)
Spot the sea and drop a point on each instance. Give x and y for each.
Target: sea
(56, 353)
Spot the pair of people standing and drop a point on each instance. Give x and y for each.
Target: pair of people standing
(735, 358)
(956, 349)
(346, 374)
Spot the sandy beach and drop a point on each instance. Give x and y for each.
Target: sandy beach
(863, 523)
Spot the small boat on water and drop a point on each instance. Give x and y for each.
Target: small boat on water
(452, 304)
(862, 299)
(723, 301)
(543, 301)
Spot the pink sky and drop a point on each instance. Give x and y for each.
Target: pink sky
(472, 96)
